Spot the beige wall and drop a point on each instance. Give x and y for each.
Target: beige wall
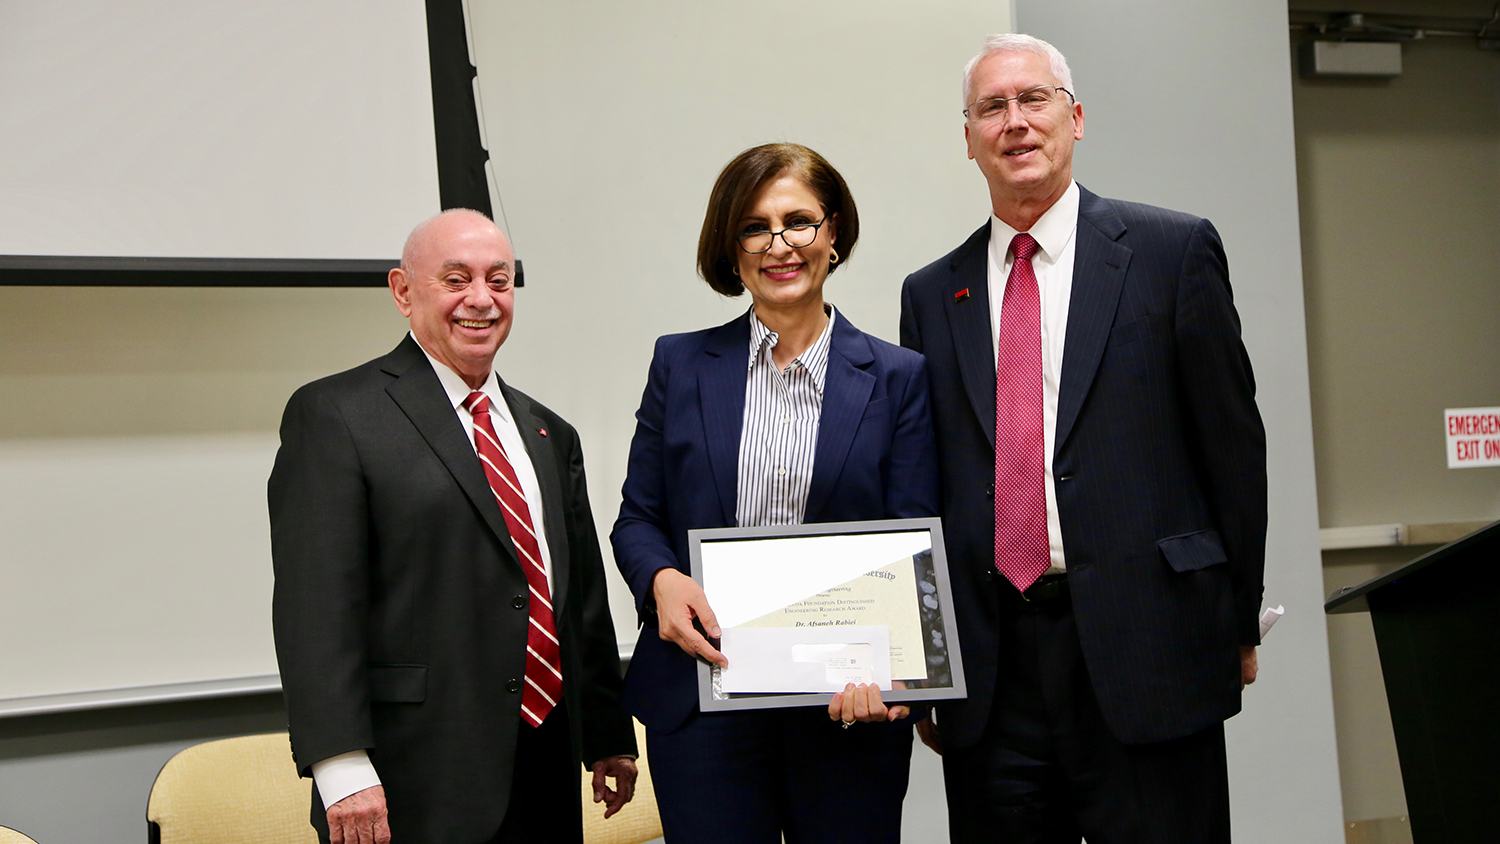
(1399, 194)
(1399, 185)
(119, 362)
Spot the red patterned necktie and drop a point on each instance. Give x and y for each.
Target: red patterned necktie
(543, 667)
(1022, 551)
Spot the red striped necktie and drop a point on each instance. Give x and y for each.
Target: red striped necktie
(1022, 550)
(543, 667)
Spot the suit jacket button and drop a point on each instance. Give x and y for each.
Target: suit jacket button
(518, 602)
(1067, 477)
(513, 686)
(989, 491)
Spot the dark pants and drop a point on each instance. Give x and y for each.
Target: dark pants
(546, 790)
(1047, 769)
(748, 777)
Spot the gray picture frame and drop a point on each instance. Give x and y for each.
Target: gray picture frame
(949, 652)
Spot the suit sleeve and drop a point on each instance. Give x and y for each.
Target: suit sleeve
(320, 551)
(607, 728)
(1227, 436)
(911, 334)
(640, 537)
(911, 489)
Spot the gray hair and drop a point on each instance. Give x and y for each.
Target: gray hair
(1015, 42)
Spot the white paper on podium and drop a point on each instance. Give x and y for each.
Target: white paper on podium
(786, 569)
(775, 660)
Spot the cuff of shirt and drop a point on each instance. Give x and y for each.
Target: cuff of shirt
(342, 775)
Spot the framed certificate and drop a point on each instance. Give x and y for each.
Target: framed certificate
(806, 609)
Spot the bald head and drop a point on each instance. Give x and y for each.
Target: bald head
(455, 285)
(436, 225)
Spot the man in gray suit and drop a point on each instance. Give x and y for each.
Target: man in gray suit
(445, 642)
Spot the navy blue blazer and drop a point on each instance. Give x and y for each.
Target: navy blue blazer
(874, 460)
(1159, 463)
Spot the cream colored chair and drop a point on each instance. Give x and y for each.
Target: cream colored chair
(233, 791)
(246, 791)
(10, 836)
(638, 822)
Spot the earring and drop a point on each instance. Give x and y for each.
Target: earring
(834, 258)
(736, 271)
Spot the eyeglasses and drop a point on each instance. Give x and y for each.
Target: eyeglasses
(1034, 101)
(757, 241)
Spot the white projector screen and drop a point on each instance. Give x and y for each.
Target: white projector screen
(208, 128)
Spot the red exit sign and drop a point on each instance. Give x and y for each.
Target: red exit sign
(1473, 436)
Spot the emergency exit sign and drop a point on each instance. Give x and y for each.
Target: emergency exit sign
(1473, 436)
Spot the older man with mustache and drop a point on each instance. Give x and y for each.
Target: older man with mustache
(445, 643)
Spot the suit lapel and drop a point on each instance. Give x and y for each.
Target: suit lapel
(421, 397)
(969, 320)
(721, 393)
(544, 463)
(1099, 266)
(846, 394)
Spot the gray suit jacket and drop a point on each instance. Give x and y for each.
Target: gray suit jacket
(400, 606)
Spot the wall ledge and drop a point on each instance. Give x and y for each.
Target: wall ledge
(1383, 536)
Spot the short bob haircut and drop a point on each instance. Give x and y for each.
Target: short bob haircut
(718, 244)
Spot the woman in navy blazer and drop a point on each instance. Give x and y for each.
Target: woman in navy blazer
(777, 218)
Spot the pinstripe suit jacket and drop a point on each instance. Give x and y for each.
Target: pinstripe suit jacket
(874, 460)
(1159, 467)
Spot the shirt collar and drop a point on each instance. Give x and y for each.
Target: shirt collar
(458, 390)
(1052, 231)
(814, 359)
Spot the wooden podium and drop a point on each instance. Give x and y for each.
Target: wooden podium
(1437, 625)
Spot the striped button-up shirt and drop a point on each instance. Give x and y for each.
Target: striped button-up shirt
(780, 431)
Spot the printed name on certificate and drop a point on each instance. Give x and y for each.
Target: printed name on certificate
(886, 597)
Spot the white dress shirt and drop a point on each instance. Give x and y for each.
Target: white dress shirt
(1055, 234)
(779, 434)
(342, 775)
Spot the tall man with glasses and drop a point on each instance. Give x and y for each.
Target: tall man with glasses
(445, 643)
(1104, 488)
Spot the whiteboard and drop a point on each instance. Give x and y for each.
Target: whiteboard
(134, 561)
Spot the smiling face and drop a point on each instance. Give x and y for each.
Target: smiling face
(455, 286)
(1026, 158)
(783, 278)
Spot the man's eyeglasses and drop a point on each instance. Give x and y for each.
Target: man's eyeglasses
(757, 241)
(1034, 101)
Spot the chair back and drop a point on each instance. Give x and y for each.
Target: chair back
(233, 791)
(638, 822)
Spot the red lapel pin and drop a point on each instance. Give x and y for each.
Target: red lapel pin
(961, 295)
(542, 431)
